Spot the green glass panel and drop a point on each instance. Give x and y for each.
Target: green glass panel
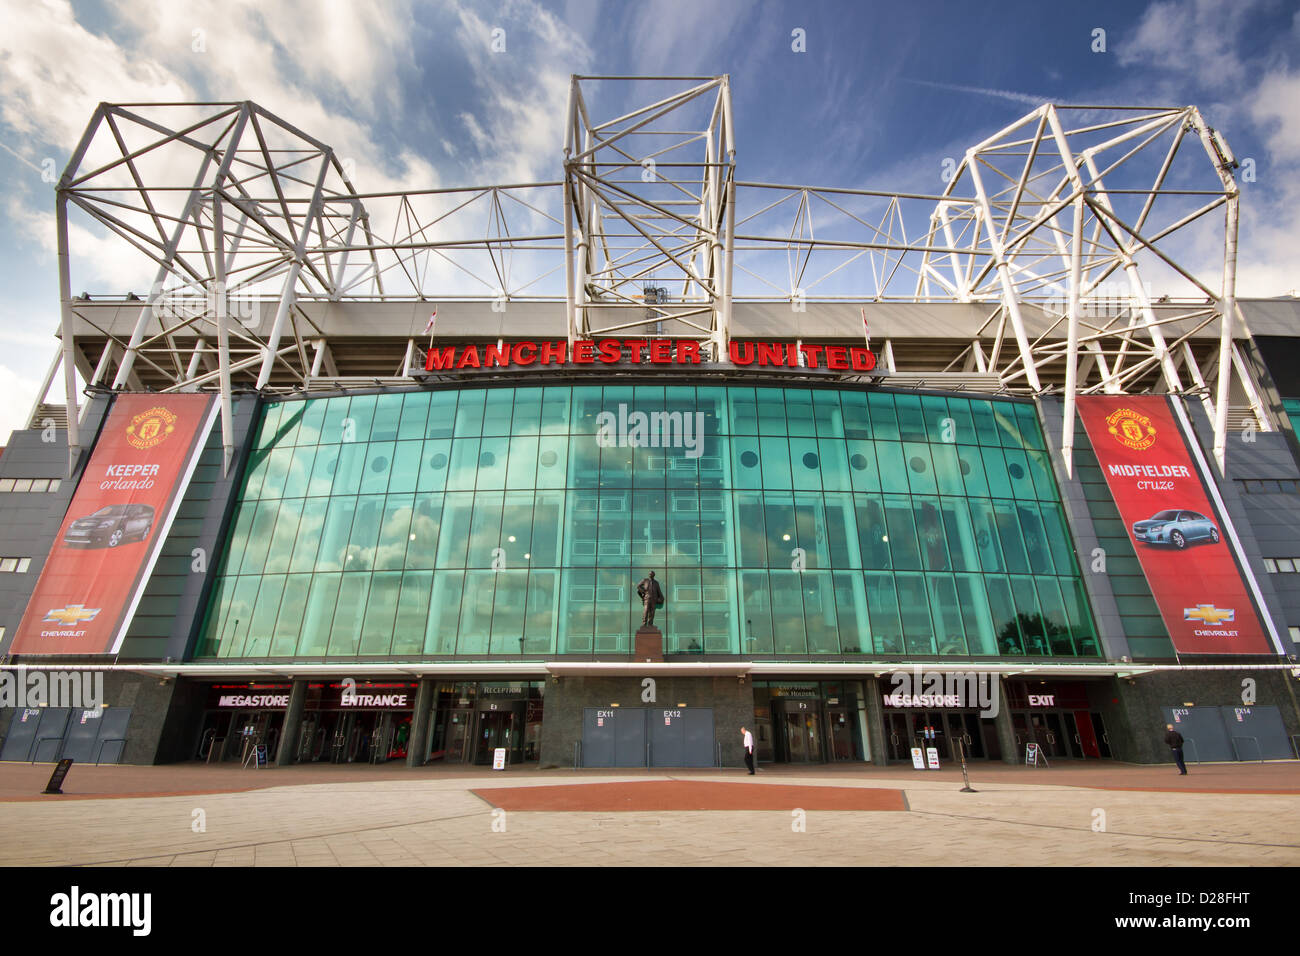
(744, 411)
(718, 611)
(469, 413)
(1004, 414)
(775, 459)
(930, 534)
(284, 536)
(493, 456)
(1013, 543)
(415, 415)
(963, 423)
(826, 411)
(715, 529)
(234, 626)
(462, 472)
(841, 531)
(981, 638)
(498, 410)
(348, 469)
(862, 466)
(810, 531)
(269, 426)
(509, 604)
(746, 463)
(884, 417)
(555, 411)
(426, 525)
(914, 606)
(683, 526)
(782, 535)
(332, 427)
(1041, 471)
(277, 472)
(947, 470)
(614, 529)
(485, 530)
(476, 613)
(1006, 624)
(262, 623)
(886, 624)
(987, 539)
(580, 529)
(435, 461)
(911, 419)
(947, 612)
(770, 406)
(586, 405)
(1029, 615)
(381, 611)
(312, 421)
(901, 529)
(751, 538)
(1055, 621)
(548, 530)
(799, 413)
(1030, 430)
(527, 418)
(542, 612)
(819, 612)
(940, 427)
(960, 535)
(577, 610)
(319, 615)
(307, 544)
(289, 621)
(920, 470)
(299, 478)
(405, 471)
(322, 473)
(788, 621)
(521, 471)
(412, 612)
(893, 467)
(986, 428)
(613, 607)
(1036, 544)
(444, 612)
(851, 612)
(682, 627)
(873, 532)
(394, 533)
(971, 463)
(995, 470)
(552, 461)
(805, 464)
(442, 415)
(388, 415)
(454, 532)
(378, 468)
(756, 612)
(857, 417)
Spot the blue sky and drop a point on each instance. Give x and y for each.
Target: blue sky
(883, 93)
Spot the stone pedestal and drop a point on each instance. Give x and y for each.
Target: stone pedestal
(649, 644)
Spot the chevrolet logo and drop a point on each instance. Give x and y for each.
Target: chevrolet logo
(1208, 613)
(71, 615)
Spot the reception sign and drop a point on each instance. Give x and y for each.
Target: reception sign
(115, 526)
(1180, 538)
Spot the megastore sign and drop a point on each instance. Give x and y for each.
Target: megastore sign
(846, 358)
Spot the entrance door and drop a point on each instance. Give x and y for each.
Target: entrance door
(966, 729)
(495, 729)
(801, 726)
(899, 736)
(843, 735)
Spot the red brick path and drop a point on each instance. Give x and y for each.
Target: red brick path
(655, 795)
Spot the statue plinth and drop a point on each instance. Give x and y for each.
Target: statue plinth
(649, 644)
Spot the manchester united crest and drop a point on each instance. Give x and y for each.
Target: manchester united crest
(1131, 429)
(151, 428)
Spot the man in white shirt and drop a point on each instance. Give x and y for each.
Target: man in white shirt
(749, 749)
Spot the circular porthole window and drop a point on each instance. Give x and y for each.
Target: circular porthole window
(549, 458)
(748, 459)
(917, 464)
(965, 466)
(487, 460)
(810, 460)
(858, 462)
(438, 462)
(1016, 471)
(379, 464)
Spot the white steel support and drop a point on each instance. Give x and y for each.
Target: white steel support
(69, 345)
(1072, 346)
(223, 335)
(1228, 310)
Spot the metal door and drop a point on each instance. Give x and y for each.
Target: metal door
(1257, 732)
(598, 737)
(22, 734)
(1204, 736)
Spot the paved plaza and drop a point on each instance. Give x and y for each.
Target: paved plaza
(193, 815)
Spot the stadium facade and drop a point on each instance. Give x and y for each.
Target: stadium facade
(353, 483)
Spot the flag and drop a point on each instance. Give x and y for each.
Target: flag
(429, 328)
(866, 328)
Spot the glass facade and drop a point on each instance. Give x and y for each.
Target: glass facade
(782, 522)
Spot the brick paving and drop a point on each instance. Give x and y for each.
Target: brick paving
(1096, 814)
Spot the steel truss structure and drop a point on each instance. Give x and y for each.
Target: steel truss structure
(1085, 236)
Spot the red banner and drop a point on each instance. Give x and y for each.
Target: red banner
(1180, 538)
(115, 526)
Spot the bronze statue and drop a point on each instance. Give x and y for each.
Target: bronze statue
(652, 597)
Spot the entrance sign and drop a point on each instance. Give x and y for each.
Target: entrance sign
(918, 759)
(1034, 755)
(115, 526)
(499, 758)
(932, 757)
(1181, 541)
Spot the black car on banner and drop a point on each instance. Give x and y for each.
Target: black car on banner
(110, 526)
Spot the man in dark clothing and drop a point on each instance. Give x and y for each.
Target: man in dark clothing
(652, 596)
(1175, 741)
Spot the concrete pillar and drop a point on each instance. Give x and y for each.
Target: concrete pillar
(876, 722)
(1011, 752)
(287, 753)
(417, 748)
